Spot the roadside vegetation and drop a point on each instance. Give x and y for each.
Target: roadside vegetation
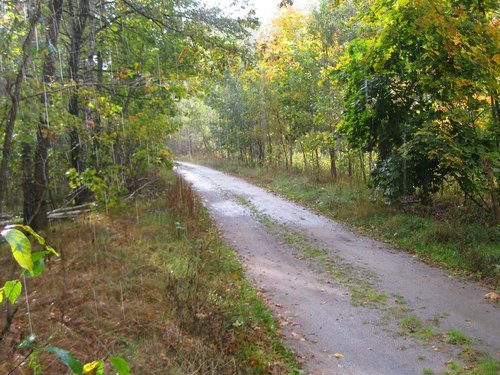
(149, 281)
(459, 237)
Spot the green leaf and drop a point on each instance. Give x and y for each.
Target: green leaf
(38, 263)
(21, 247)
(120, 365)
(66, 358)
(1, 295)
(27, 342)
(39, 238)
(12, 290)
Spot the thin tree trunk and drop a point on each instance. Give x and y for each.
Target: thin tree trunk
(362, 165)
(349, 167)
(316, 164)
(285, 152)
(28, 184)
(78, 24)
(333, 162)
(270, 143)
(304, 157)
(39, 219)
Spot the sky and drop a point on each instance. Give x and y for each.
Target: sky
(265, 9)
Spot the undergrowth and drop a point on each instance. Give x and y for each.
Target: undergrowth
(150, 282)
(452, 236)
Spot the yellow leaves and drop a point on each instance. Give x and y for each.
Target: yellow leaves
(93, 368)
(183, 53)
(492, 296)
(456, 39)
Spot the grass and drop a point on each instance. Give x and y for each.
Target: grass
(456, 337)
(358, 282)
(410, 324)
(474, 361)
(153, 283)
(484, 367)
(453, 235)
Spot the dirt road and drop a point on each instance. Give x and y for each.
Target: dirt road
(347, 304)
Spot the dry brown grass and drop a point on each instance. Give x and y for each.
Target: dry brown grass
(134, 283)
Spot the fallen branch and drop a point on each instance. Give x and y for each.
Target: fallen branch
(140, 188)
(72, 208)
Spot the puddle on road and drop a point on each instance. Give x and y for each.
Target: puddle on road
(230, 209)
(200, 183)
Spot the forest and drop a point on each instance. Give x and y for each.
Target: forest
(400, 95)
(394, 101)
(89, 89)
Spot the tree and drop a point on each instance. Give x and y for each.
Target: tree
(15, 93)
(121, 67)
(417, 92)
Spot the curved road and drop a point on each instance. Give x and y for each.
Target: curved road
(347, 304)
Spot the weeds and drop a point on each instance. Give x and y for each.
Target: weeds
(484, 367)
(153, 284)
(455, 337)
(410, 324)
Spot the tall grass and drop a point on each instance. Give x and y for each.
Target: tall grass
(151, 282)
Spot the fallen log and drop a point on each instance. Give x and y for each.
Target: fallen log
(72, 208)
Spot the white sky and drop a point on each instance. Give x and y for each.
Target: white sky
(265, 9)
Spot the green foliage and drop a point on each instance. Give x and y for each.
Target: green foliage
(21, 247)
(457, 338)
(418, 96)
(66, 358)
(33, 265)
(12, 290)
(120, 365)
(484, 367)
(410, 324)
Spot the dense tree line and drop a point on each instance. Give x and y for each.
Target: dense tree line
(400, 94)
(88, 91)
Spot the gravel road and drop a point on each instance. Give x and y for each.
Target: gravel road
(347, 304)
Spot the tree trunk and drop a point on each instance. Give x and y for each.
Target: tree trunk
(39, 219)
(304, 156)
(349, 167)
(270, 143)
(333, 163)
(362, 165)
(15, 98)
(78, 21)
(262, 156)
(27, 166)
(493, 186)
